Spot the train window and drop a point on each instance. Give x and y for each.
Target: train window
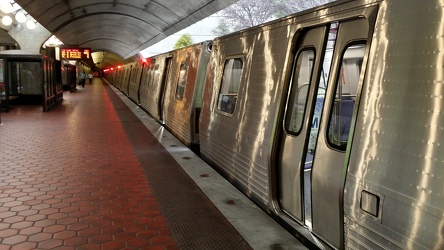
(230, 85)
(182, 80)
(133, 75)
(345, 97)
(156, 75)
(148, 76)
(300, 82)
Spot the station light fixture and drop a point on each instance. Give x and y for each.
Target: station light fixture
(31, 24)
(6, 7)
(6, 20)
(20, 16)
(15, 15)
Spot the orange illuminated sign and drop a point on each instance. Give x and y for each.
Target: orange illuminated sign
(75, 53)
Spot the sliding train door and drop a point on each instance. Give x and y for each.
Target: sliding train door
(328, 169)
(303, 83)
(322, 99)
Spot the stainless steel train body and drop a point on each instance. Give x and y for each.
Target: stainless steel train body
(118, 76)
(135, 75)
(183, 95)
(126, 72)
(331, 119)
(169, 87)
(152, 86)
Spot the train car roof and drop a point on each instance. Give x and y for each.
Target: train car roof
(306, 15)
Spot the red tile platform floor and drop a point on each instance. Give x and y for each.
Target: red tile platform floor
(69, 179)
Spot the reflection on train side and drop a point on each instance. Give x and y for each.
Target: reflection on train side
(307, 116)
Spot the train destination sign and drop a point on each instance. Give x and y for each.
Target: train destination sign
(75, 53)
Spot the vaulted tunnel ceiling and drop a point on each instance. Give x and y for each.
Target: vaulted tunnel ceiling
(122, 27)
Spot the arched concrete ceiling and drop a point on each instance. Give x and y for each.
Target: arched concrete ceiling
(122, 27)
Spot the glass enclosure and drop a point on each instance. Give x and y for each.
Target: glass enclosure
(25, 78)
(28, 79)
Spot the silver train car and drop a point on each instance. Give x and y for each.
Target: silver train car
(169, 87)
(330, 119)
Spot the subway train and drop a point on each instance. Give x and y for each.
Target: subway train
(331, 119)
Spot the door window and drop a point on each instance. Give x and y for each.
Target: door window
(345, 97)
(300, 82)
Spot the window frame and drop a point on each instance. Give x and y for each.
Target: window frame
(221, 86)
(178, 82)
(291, 94)
(343, 147)
(156, 75)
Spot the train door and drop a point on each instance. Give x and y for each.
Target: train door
(163, 85)
(303, 83)
(129, 80)
(313, 144)
(328, 171)
(143, 66)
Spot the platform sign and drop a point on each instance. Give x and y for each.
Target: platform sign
(75, 53)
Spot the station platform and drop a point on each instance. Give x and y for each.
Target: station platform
(96, 172)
